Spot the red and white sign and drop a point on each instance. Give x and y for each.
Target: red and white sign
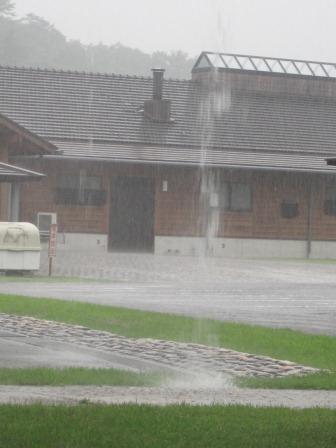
(53, 241)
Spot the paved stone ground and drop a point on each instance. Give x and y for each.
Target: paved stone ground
(183, 357)
(164, 396)
(291, 294)
(149, 268)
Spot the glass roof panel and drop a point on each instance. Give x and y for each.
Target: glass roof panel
(260, 64)
(331, 69)
(289, 67)
(317, 69)
(245, 63)
(231, 61)
(275, 66)
(303, 68)
(216, 60)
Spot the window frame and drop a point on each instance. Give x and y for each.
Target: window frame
(79, 196)
(329, 205)
(230, 207)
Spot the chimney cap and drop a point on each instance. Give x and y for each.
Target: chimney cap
(158, 70)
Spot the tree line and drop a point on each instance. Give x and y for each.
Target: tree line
(32, 41)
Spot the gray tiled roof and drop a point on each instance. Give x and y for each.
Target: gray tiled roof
(107, 109)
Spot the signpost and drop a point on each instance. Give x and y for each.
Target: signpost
(52, 246)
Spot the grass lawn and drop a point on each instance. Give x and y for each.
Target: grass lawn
(43, 279)
(317, 381)
(78, 376)
(311, 350)
(165, 427)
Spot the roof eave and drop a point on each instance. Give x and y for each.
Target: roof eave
(42, 146)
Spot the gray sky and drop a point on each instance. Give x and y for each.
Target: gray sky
(285, 28)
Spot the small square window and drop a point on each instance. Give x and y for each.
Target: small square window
(224, 196)
(241, 199)
(235, 196)
(80, 190)
(330, 200)
(289, 209)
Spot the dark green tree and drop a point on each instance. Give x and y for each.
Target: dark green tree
(34, 42)
(6, 8)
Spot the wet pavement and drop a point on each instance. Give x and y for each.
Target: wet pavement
(72, 395)
(281, 294)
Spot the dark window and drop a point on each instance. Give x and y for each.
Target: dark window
(235, 196)
(330, 200)
(80, 190)
(289, 209)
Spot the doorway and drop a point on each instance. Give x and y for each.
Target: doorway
(132, 214)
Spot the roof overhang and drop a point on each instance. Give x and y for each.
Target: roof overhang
(21, 141)
(303, 162)
(11, 173)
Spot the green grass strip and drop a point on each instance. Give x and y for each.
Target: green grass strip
(131, 426)
(46, 279)
(78, 376)
(307, 349)
(316, 381)
(311, 350)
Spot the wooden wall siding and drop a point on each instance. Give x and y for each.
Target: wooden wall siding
(181, 211)
(39, 197)
(324, 226)
(4, 188)
(178, 211)
(265, 220)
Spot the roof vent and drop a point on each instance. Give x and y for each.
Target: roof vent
(158, 109)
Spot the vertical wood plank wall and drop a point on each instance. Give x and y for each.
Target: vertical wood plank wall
(179, 211)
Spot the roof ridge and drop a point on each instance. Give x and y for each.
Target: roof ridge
(83, 72)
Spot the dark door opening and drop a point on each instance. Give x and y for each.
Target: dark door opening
(132, 214)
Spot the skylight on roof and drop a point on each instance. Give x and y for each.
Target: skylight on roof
(260, 64)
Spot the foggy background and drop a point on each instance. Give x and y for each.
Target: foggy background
(132, 36)
(286, 28)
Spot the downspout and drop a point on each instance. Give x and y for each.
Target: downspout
(310, 217)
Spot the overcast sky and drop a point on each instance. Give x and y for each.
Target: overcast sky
(303, 29)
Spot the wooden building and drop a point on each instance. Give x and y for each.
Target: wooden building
(16, 140)
(232, 162)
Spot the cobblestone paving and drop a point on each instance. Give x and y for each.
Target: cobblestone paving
(184, 357)
(166, 396)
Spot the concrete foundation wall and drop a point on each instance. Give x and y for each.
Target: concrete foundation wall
(216, 247)
(323, 249)
(82, 241)
(174, 245)
(231, 247)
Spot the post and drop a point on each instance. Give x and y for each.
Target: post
(50, 266)
(310, 217)
(52, 246)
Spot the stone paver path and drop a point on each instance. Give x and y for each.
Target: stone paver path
(183, 357)
(164, 396)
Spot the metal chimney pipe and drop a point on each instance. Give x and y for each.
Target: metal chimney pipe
(158, 74)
